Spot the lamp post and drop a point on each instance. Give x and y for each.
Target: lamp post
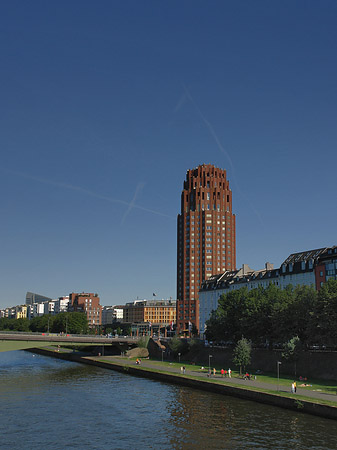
(179, 356)
(278, 373)
(209, 363)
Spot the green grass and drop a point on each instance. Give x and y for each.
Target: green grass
(250, 387)
(323, 386)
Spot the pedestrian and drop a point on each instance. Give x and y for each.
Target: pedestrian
(292, 388)
(214, 371)
(222, 372)
(181, 369)
(229, 373)
(295, 387)
(184, 370)
(226, 373)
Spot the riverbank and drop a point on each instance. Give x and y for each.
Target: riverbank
(323, 405)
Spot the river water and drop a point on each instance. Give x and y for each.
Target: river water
(51, 404)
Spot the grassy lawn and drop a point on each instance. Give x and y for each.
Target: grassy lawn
(328, 387)
(196, 369)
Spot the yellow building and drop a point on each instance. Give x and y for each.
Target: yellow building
(21, 312)
(156, 312)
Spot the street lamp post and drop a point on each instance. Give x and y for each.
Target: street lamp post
(278, 374)
(179, 356)
(209, 364)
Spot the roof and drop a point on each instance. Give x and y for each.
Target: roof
(304, 256)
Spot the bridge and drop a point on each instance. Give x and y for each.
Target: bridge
(20, 341)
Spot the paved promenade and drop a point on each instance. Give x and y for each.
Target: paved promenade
(234, 381)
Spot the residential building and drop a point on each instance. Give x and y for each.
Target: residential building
(119, 310)
(206, 238)
(61, 304)
(21, 312)
(88, 303)
(327, 266)
(308, 268)
(35, 310)
(112, 314)
(49, 307)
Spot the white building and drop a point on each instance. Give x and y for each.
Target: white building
(61, 304)
(297, 269)
(35, 310)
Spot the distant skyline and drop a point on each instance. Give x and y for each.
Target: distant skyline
(105, 106)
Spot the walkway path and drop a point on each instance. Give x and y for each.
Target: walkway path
(169, 367)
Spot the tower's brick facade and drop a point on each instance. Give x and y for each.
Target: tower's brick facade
(206, 237)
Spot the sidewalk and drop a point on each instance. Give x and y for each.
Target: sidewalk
(167, 367)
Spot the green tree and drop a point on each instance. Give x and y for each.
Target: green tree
(40, 323)
(242, 354)
(143, 342)
(178, 345)
(323, 325)
(20, 324)
(291, 351)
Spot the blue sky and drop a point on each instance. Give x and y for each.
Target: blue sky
(105, 105)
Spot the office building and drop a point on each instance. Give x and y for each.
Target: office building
(206, 238)
(155, 312)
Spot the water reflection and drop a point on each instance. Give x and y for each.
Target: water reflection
(53, 404)
(203, 420)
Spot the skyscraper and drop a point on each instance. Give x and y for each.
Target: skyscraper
(206, 237)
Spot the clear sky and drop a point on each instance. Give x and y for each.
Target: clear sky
(104, 107)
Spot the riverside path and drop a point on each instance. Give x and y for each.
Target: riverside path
(233, 381)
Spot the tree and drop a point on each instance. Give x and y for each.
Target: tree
(178, 345)
(291, 351)
(242, 354)
(40, 323)
(143, 342)
(323, 326)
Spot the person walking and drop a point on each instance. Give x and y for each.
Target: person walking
(214, 371)
(229, 373)
(222, 372)
(295, 387)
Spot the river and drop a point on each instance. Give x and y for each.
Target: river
(51, 404)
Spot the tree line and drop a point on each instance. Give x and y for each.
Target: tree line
(272, 316)
(73, 323)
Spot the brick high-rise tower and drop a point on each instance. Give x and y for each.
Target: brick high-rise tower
(206, 238)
